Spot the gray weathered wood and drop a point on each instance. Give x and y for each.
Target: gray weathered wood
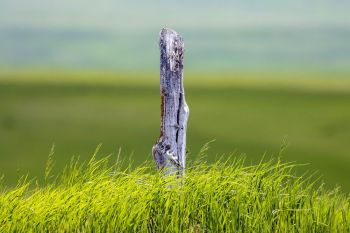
(170, 150)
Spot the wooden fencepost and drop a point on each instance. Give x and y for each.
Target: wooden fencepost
(169, 152)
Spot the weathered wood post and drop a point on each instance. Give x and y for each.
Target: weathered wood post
(170, 150)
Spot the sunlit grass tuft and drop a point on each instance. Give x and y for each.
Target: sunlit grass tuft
(223, 197)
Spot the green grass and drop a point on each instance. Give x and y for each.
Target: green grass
(77, 111)
(225, 196)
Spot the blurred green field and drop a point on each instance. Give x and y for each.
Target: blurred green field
(76, 112)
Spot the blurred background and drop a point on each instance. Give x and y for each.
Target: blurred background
(259, 75)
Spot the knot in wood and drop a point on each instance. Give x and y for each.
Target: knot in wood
(176, 56)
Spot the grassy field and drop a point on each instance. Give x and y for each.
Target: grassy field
(78, 111)
(223, 197)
